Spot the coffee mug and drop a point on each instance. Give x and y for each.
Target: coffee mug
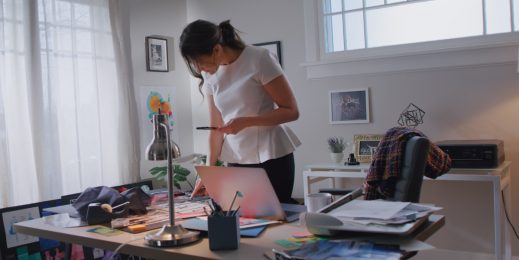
(317, 201)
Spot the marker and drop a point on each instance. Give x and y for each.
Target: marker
(206, 128)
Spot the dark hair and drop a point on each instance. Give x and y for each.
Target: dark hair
(200, 37)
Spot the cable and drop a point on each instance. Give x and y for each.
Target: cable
(506, 214)
(115, 252)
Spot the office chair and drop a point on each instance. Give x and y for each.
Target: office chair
(409, 183)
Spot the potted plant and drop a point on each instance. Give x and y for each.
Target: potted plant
(180, 174)
(336, 145)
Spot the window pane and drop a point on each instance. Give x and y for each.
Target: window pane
(82, 15)
(352, 4)
(63, 13)
(354, 30)
(424, 21)
(498, 16)
(334, 33)
(370, 3)
(332, 6)
(83, 41)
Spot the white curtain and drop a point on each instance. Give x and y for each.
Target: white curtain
(67, 119)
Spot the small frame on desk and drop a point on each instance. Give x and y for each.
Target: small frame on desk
(349, 106)
(365, 145)
(157, 54)
(274, 47)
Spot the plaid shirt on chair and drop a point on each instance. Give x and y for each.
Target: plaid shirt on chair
(386, 164)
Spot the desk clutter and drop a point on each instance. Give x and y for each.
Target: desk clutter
(305, 245)
(370, 216)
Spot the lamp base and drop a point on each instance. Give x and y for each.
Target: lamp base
(169, 236)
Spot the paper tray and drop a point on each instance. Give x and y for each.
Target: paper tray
(326, 225)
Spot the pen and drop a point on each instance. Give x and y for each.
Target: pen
(236, 211)
(206, 128)
(237, 194)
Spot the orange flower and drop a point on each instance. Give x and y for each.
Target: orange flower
(165, 108)
(155, 104)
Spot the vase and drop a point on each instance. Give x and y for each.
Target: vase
(337, 157)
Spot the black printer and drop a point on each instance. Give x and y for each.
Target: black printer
(474, 153)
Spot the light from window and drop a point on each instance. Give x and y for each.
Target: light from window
(360, 24)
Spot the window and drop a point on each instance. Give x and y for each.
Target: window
(361, 24)
(351, 37)
(65, 115)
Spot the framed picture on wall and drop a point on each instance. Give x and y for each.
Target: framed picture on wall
(349, 106)
(274, 47)
(157, 54)
(366, 146)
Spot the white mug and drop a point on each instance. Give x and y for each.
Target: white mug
(317, 201)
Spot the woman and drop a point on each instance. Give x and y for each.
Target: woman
(249, 99)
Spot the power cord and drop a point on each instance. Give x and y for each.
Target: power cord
(506, 214)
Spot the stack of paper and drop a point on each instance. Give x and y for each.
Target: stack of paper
(382, 212)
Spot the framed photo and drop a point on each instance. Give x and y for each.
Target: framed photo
(274, 47)
(157, 54)
(365, 146)
(349, 106)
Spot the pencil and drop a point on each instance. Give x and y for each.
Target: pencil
(206, 128)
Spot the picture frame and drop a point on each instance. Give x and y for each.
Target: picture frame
(365, 146)
(274, 47)
(156, 54)
(349, 106)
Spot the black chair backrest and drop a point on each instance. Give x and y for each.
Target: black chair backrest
(409, 185)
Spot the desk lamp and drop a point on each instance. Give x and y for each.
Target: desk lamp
(162, 148)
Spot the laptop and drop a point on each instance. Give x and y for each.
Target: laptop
(259, 198)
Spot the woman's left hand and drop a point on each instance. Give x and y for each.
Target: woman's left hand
(235, 125)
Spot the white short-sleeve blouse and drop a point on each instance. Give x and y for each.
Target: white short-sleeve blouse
(238, 91)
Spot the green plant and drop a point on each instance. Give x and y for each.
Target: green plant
(336, 144)
(180, 174)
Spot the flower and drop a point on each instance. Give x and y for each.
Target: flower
(154, 103)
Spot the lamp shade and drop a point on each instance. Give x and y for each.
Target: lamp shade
(157, 150)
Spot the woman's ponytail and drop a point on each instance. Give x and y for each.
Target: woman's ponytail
(229, 37)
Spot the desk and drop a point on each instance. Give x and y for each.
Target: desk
(250, 248)
(499, 177)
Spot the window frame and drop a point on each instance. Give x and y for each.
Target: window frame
(458, 52)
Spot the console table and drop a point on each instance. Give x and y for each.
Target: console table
(499, 177)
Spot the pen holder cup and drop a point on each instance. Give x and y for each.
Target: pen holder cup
(224, 231)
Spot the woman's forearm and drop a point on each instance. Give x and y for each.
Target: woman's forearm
(215, 146)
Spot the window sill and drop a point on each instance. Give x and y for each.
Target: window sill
(459, 53)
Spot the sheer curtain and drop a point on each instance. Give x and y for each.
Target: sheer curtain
(66, 104)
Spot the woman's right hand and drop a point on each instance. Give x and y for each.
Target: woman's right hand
(199, 189)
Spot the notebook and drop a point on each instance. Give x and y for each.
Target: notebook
(259, 199)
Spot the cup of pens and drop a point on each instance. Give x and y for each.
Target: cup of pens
(223, 229)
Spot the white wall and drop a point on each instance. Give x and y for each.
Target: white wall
(164, 18)
(460, 103)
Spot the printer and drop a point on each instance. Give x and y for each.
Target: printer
(477, 154)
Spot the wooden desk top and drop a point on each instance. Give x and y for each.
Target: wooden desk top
(250, 248)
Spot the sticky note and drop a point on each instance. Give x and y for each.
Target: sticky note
(287, 244)
(137, 228)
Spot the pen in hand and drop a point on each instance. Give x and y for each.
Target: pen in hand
(206, 128)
